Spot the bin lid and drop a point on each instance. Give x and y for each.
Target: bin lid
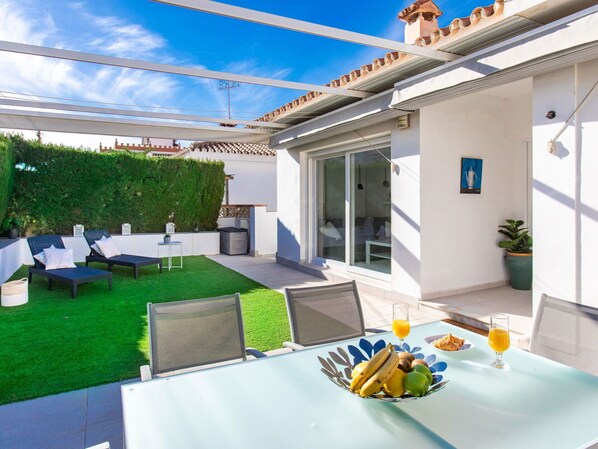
(231, 229)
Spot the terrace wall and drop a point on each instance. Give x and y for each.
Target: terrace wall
(13, 256)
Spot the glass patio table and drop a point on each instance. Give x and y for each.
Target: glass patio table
(285, 401)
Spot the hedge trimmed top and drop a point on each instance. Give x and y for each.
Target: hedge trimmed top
(56, 187)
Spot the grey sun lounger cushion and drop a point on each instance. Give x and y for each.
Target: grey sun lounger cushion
(125, 260)
(72, 276)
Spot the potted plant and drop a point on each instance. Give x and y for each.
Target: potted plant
(13, 225)
(167, 238)
(518, 253)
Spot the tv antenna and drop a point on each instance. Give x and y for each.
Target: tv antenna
(228, 86)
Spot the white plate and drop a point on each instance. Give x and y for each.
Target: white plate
(467, 345)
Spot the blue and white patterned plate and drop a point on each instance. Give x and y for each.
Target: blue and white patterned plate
(338, 366)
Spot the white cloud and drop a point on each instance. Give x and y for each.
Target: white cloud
(120, 38)
(52, 77)
(78, 28)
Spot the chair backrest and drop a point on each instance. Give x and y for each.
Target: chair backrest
(324, 314)
(184, 334)
(40, 242)
(93, 235)
(566, 332)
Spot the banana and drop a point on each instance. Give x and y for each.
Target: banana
(372, 367)
(375, 383)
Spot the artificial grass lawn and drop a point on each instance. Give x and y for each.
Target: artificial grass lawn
(55, 344)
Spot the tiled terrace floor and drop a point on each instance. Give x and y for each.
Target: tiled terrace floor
(83, 418)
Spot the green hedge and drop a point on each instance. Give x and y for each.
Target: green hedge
(6, 174)
(57, 187)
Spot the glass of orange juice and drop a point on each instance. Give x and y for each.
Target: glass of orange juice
(400, 321)
(498, 337)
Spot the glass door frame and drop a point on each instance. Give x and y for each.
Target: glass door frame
(312, 214)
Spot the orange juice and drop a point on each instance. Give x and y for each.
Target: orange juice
(498, 339)
(401, 328)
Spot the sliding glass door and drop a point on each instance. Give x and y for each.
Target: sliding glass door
(353, 209)
(330, 213)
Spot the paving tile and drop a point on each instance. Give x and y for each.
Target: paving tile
(71, 441)
(107, 409)
(49, 408)
(111, 431)
(39, 435)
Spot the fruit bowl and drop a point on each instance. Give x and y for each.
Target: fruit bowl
(338, 366)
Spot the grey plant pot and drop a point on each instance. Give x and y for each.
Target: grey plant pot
(167, 239)
(13, 233)
(520, 270)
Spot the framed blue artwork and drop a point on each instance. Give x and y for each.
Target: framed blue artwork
(471, 175)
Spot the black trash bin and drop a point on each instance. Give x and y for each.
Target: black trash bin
(233, 241)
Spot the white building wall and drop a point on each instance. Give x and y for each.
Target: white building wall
(254, 177)
(459, 231)
(289, 206)
(565, 186)
(405, 210)
(263, 229)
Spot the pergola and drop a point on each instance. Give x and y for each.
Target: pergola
(72, 118)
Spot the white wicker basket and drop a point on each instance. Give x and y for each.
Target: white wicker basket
(15, 293)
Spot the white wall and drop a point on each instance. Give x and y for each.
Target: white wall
(405, 212)
(263, 230)
(10, 260)
(193, 244)
(255, 177)
(565, 186)
(289, 205)
(459, 231)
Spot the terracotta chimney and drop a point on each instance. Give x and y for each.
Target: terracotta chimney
(421, 17)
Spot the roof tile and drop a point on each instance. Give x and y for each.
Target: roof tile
(395, 57)
(255, 149)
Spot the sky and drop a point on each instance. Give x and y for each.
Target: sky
(150, 31)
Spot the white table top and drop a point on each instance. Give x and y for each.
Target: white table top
(286, 402)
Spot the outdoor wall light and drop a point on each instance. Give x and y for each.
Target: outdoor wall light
(78, 230)
(550, 115)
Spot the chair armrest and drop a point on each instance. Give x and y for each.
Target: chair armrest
(254, 352)
(293, 346)
(374, 331)
(105, 445)
(146, 373)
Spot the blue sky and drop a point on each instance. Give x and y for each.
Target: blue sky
(142, 29)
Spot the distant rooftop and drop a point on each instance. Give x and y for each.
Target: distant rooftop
(254, 149)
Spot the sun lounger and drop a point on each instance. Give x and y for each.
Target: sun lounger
(72, 276)
(125, 260)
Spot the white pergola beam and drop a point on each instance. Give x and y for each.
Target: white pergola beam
(85, 124)
(70, 55)
(286, 23)
(133, 113)
(124, 120)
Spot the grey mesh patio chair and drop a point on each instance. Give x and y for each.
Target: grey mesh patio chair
(194, 333)
(324, 314)
(566, 332)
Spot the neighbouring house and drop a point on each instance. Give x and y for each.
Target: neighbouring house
(250, 167)
(373, 188)
(250, 170)
(163, 148)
